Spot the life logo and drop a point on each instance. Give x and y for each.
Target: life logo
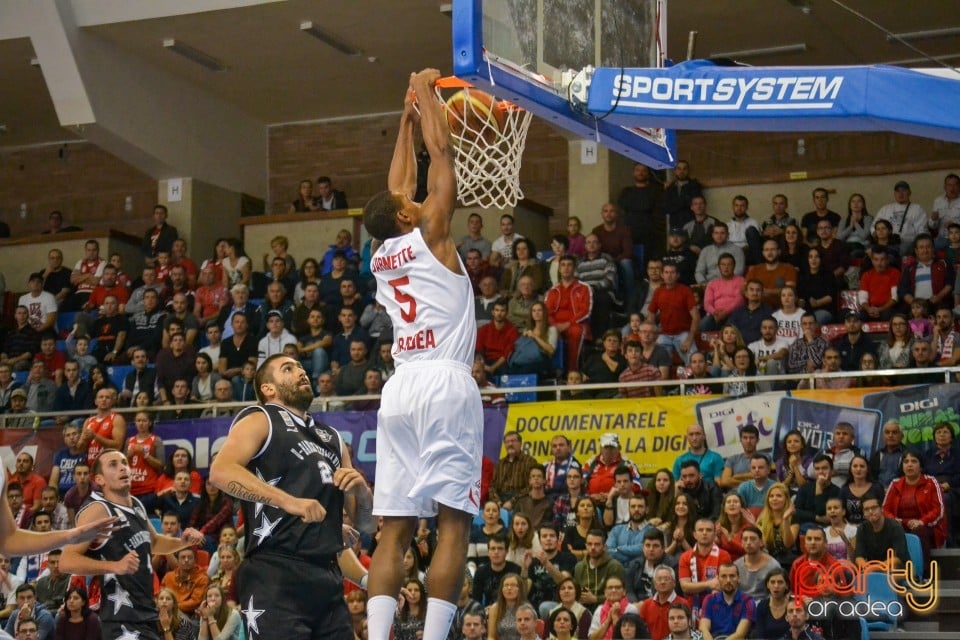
(848, 580)
(759, 93)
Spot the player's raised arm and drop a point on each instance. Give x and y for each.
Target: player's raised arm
(403, 168)
(441, 180)
(20, 542)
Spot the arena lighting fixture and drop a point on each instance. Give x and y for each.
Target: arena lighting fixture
(767, 51)
(929, 34)
(205, 60)
(329, 39)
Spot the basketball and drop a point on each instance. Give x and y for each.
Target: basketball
(472, 114)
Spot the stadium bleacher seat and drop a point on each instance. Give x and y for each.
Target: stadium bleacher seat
(118, 372)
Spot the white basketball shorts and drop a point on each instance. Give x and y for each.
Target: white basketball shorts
(429, 441)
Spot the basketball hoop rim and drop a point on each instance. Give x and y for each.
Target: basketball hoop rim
(453, 82)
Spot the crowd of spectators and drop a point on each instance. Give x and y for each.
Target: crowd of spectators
(569, 549)
(752, 295)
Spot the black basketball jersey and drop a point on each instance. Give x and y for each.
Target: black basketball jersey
(298, 457)
(126, 598)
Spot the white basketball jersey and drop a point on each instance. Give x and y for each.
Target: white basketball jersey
(430, 306)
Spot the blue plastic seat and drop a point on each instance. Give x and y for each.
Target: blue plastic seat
(118, 372)
(915, 551)
(880, 591)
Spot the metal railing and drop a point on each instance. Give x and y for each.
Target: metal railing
(340, 402)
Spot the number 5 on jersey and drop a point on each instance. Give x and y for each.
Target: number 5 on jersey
(408, 304)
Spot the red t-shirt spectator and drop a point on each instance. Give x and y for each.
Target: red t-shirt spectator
(880, 287)
(674, 306)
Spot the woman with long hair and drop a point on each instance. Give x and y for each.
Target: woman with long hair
(681, 525)
(76, 621)
(855, 228)
(544, 336)
(218, 620)
(562, 624)
(772, 610)
(100, 379)
(776, 523)
(564, 506)
(309, 274)
(142, 400)
(817, 288)
(480, 536)
(411, 564)
(734, 517)
(568, 590)
(144, 451)
(203, 383)
(661, 492)
(885, 239)
(793, 249)
(560, 247)
(225, 576)
(788, 315)
(894, 352)
(793, 465)
(172, 623)
(575, 537)
(860, 485)
(522, 538)
(236, 264)
(357, 608)
(916, 500)
(502, 618)
(841, 535)
(305, 201)
(630, 626)
(212, 513)
(868, 364)
(180, 460)
(411, 612)
(523, 263)
(725, 346)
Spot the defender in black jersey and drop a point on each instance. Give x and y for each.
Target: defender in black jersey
(127, 608)
(291, 475)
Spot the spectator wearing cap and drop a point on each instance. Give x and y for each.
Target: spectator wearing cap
(18, 416)
(853, 344)
(908, 219)
(240, 293)
(680, 255)
(277, 337)
(615, 241)
(41, 305)
(598, 473)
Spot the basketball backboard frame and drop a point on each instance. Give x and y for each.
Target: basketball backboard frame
(546, 99)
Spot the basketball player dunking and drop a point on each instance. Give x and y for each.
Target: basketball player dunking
(429, 428)
(291, 475)
(127, 607)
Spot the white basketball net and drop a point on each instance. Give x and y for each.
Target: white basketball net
(487, 161)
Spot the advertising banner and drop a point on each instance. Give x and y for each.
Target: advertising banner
(918, 409)
(816, 421)
(722, 420)
(651, 430)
